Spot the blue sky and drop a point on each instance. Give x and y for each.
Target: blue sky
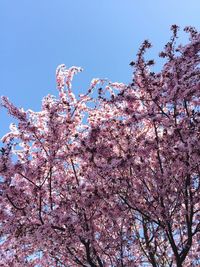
(102, 36)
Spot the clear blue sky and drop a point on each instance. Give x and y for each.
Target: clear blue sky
(102, 36)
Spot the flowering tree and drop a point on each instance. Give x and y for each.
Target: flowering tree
(111, 183)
